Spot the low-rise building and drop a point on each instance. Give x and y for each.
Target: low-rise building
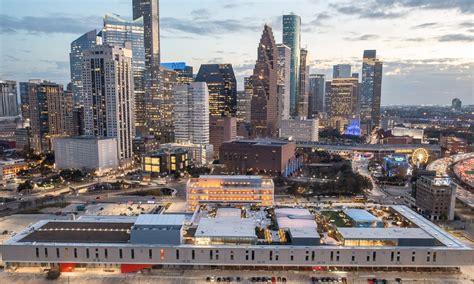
(143, 145)
(403, 237)
(451, 145)
(268, 156)
(168, 228)
(300, 129)
(363, 219)
(86, 153)
(199, 154)
(229, 190)
(165, 161)
(9, 168)
(435, 197)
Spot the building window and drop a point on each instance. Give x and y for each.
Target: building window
(312, 256)
(434, 257)
(332, 255)
(150, 254)
(253, 255)
(231, 255)
(87, 252)
(413, 257)
(96, 253)
(392, 255)
(162, 254)
(374, 256)
(177, 254)
(211, 254)
(106, 253)
(353, 258)
(193, 255)
(120, 253)
(75, 252)
(270, 256)
(132, 252)
(37, 252)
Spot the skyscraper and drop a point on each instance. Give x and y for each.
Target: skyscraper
(303, 84)
(316, 94)
(166, 127)
(341, 101)
(117, 31)
(8, 98)
(47, 111)
(78, 46)
(264, 107)
(191, 113)
(222, 87)
(371, 89)
(292, 38)
(456, 104)
(185, 72)
(341, 71)
(25, 100)
(108, 96)
(284, 73)
(149, 10)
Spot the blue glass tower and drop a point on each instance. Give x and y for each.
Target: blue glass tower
(292, 38)
(78, 46)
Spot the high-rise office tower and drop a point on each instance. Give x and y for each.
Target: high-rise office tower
(456, 104)
(166, 127)
(117, 31)
(341, 71)
(8, 98)
(222, 87)
(48, 113)
(264, 107)
(221, 129)
(185, 73)
(243, 106)
(342, 101)
(292, 39)
(316, 94)
(149, 10)
(191, 113)
(108, 96)
(78, 46)
(284, 73)
(303, 84)
(25, 100)
(371, 89)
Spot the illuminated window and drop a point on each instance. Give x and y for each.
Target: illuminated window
(147, 168)
(155, 161)
(162, 254)
(173, 167)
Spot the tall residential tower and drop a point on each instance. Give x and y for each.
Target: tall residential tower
(109, 100)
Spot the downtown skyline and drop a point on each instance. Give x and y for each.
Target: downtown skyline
(425, 62)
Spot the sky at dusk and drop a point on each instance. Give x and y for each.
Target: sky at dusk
(427, 46)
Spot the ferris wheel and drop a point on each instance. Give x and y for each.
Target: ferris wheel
(420, 157)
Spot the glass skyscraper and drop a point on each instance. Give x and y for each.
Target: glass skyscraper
(116, 32)
(222, 86)
(371, 89)
(316, 94)
(78, 46)
(341, 71)
(148, 120)
(292, 39)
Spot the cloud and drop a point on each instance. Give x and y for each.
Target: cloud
(415, 39)
(363, 37)
(425, 25)
(47, 24)
(200, 13)
(368, 11)
(462, 6)
(393, 9)
(205, 27)
(320, 18)
(455, 37)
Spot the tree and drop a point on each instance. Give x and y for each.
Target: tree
(27, 186)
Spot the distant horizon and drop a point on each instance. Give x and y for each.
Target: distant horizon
(424, 60)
